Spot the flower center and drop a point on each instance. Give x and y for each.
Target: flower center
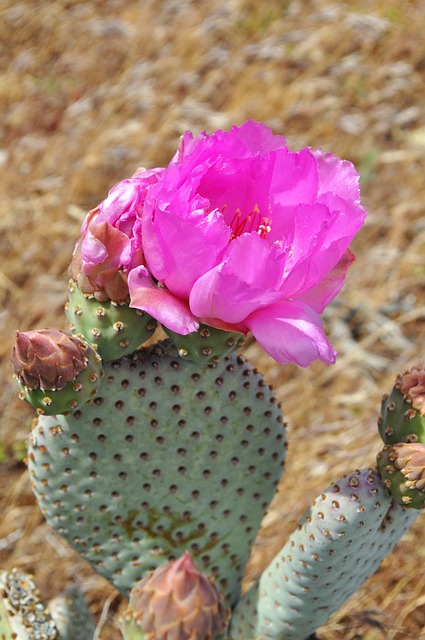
(252, 221)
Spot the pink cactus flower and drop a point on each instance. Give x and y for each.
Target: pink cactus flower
(243, 234)
(111, 240)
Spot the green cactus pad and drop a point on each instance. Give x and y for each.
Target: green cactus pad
(23, 616)
(71, 614)
(207, 345)
(74, 395)
(340, 541)
(115, 329)
(399, 420)
(404, 479)
(171, 457)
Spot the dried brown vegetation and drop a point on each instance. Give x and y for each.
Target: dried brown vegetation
(91, 90)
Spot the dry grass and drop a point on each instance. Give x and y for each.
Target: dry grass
(91, 90)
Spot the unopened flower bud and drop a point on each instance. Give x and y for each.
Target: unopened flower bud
(48, 358)
(412, 386)
(402, 468)
(57, 372)
(175, 602)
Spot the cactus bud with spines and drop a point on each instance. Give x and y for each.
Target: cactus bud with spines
(175, 601)
(113, 327)
(57, 372)
(402, 468)
(207, 345)
(402, 416)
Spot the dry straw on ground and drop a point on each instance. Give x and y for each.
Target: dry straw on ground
(91, 90)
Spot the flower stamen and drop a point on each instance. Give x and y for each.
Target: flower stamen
(252, 222)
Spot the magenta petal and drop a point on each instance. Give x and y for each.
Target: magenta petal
(249, 278)
(179, 251)
(162, 305)
(291, 332)
(320, 295)
(337, 176)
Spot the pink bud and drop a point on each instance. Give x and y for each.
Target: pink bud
(178, 602)
(47, 358)
(412, 386)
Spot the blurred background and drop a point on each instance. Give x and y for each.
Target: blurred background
(89, 91)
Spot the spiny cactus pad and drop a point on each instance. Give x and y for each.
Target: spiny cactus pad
(207, 345)
(171, 457)
(23, 616)
(115, 329)
(339, 542)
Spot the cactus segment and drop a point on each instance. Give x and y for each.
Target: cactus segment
(175, 601)
(171, 457)
(402, 416)
(207, 345)
(115, 328)
(72, 616)
(402, 469)
(340, 541)
(23, 616)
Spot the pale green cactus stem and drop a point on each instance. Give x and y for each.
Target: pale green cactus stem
(175, 601)
(23, 615)
(113, 327)
(56, 372)
(207, 345)
(170, 457)
(339, 542)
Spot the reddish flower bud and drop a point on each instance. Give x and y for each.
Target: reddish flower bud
(48, 358)
(402, 469)
(412, 386)
(409, 458)
(175, 602)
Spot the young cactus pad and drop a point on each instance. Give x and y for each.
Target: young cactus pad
(340, 541)
(115, 329)
(207, 345)
(170, 457)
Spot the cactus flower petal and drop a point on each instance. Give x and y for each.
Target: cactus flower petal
(291, 332)
(160, 303)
